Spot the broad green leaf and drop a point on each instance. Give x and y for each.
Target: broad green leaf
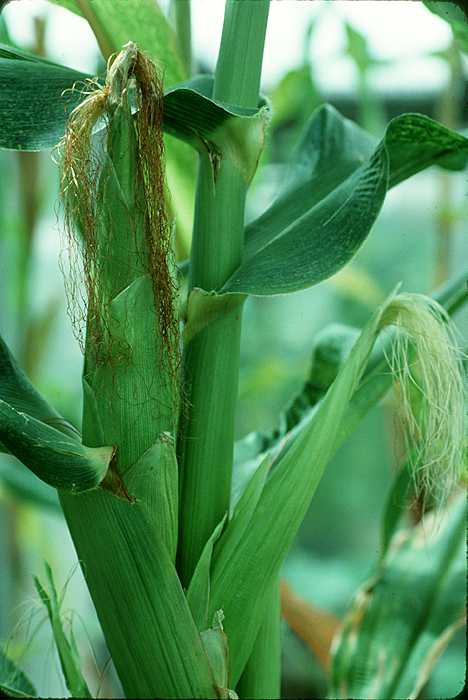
(198, 592)
(245, 565)
(34, 106)
(404, 616)
(13, 682)
(115, 22)
(457, 18)
(323, 216)
(60, 461)
(69, 659)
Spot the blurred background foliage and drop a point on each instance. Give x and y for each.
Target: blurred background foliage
(419, 239)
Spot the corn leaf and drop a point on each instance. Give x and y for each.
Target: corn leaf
(404, 616)
(69, 660)
(17, 390)
(115, 22)
(34, 107)
(330, 350)
(58, 460)
(198, 592)
(13, 682)
(456, 17)
(245, 564)
(324, 214)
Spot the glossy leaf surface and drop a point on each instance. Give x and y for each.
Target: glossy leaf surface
(331, 199)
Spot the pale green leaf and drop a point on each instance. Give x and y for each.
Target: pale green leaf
(116, 22)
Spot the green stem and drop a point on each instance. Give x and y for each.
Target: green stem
(180, 11)
(212, 358)
(262, 675)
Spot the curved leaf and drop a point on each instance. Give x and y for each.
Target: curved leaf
(331, 201)
(34, 106)
(404, 616)
(60, 461)
(457, 18)
(246, 565)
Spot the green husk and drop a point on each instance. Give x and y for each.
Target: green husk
(114, 202)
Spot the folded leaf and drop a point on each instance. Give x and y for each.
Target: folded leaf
(405, 614)
(58, 460)
(13, 682)
(331, 200)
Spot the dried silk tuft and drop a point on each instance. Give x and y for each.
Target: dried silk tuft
(81, 157)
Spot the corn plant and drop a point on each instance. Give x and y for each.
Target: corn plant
(180, 532)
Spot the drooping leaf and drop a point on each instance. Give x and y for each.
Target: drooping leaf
(13, 682)
(330, 202)
(330, 350)
(457, 18)
(69, 659)
(34, 106)
(245, 566)
(404, 616)
(60, 461)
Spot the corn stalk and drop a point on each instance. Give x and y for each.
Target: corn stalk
(180, 544)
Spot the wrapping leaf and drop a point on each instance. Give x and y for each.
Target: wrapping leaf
(68, 654)
(13, 682)
(404, 616)
(328, 206)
